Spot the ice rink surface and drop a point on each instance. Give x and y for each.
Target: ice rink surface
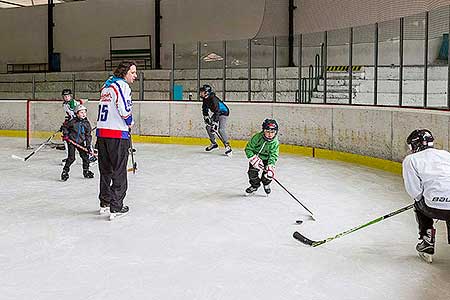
(192, 234)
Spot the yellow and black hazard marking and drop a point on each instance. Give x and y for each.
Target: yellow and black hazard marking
(343, 68)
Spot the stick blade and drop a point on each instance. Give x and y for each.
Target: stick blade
(17, 157)
(301, 238)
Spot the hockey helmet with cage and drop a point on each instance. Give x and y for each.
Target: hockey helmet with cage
(420, 139)
(66, 92)
(207, 89)
(272, 125)
(80, 107)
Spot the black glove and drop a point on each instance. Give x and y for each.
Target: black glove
(207, 120)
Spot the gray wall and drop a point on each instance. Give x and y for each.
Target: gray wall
(372, 131)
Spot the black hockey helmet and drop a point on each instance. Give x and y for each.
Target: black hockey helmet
(420, 139)
(207, 89)
(270, 124)
(66, 92)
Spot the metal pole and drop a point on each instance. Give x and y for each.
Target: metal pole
(172, 72)
(158, 18)
(325, 63)
(33, 87)
(141, 85)
(425, 62)
(291, 34)
(300, 49)
(375, 67)
(199, 49)
(50, 25)
(249, 70)
(350, 67)
(274, 68)
(224, 75)
(74, 92)
(400, 54)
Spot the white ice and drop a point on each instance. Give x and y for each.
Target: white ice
(192, 234)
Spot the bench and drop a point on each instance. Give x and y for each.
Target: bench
(27, 68)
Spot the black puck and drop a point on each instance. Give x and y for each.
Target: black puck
(299, 221)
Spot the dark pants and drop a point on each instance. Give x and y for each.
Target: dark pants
(112, 164)
(253, 176)
(71, 157)
(425, 216)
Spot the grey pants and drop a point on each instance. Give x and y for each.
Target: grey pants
(223, 134)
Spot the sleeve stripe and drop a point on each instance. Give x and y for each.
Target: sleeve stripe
(127, 109)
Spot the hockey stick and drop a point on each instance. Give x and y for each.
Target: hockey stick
(298, 236)
(312, 215)
(134, 167)
(37, 149)
(81, 147)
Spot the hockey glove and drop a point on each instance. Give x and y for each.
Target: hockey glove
(207, 120)
(270, 172)
(256, 162)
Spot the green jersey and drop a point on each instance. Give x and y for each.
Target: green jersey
(266, 150)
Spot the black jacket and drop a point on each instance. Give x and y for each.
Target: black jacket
(217, 106)
(78, 131)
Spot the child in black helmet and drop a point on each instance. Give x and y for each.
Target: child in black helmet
(77, 133)
(262, 151)
(216, 123)
(426, 174)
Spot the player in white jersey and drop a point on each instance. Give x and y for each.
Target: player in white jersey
(114, 122)
(426, 174)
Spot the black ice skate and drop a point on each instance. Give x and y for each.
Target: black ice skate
(425, 248)
(88, 174)
(211, 147)
(267, 189)
(228, 151)
(64, 175)
(118, 214)
(251, 190)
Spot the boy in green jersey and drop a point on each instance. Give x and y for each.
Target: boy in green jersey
(262, 151)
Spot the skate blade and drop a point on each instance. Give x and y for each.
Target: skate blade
(249, 194)
(426, 257)
(114, 216)
(230, 155)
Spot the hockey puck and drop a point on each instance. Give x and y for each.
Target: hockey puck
(299, 222)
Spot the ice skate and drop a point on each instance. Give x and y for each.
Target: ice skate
(425, 248)
(64, 175)
(118, 214)
(88, 174)
(103, 210)
(228, 151)
(250, 190)
(267, 189)
(211, 147)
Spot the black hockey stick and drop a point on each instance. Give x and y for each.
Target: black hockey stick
(37, 149)
(306, 241)
(134, 167)
(312, 215)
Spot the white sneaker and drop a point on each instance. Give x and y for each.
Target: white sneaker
(103, 210)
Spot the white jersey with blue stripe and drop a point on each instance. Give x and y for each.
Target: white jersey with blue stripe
(115, 109)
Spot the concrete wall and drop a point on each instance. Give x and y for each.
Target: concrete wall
(372, 131)
(81, 32)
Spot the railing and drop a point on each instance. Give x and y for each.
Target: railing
(27, 68)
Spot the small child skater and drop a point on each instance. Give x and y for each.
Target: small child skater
(262, 151)
(77, 131)
(69, 105)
